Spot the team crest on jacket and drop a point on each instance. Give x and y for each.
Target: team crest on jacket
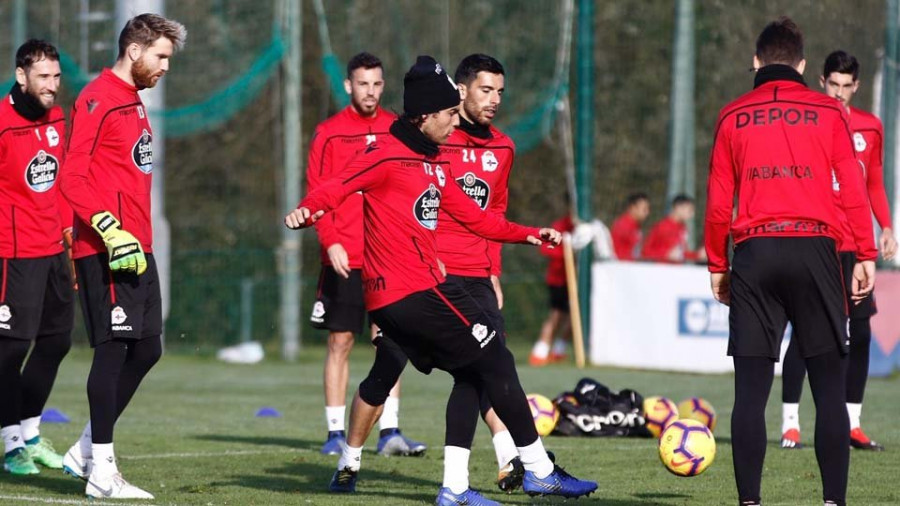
(42, 171)
(142, 153)
(426, 207)
(476, 188)
(489, 162)
(859, 142)
(52, 136)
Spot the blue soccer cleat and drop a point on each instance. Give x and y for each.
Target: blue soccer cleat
(343, 481)
(558, 482)
(469, 498)
(394, 443)
(334, 445)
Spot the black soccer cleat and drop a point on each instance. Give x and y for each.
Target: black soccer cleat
(343, 481)
(510, 476)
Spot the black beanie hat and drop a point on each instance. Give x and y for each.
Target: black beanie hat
(427, 88)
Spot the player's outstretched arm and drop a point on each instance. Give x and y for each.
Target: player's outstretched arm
(489, 225)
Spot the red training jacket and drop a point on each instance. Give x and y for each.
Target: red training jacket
(626, 236)
(773, 152)
(666, 237)
(556, 267)
(109, 162)
(402, 192)
(867, 141)
(481, 167)
(31, 157)
(335, 141)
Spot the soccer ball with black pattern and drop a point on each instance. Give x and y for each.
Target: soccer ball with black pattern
(544, 413)
(696, 408)
(659, 412)
(687, 447)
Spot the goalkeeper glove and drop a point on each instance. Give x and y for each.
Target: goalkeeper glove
(125, 252)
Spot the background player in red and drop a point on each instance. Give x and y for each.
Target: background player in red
(481, 158)
(556, 330)
(437, 324)
(107, 181)
(775, 150)
(626, 230)
(339, 306)
(840, 79)
(36, 299)
(667, 240)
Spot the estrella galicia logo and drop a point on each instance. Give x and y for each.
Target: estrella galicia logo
(476, 188)
(142, 153)
(41, 172)
(702, 318)
(426, 207)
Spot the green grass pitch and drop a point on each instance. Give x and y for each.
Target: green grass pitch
(191, 438)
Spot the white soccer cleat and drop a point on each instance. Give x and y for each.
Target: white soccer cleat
(76, 464)
(113, 487)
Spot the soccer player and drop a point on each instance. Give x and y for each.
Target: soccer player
(36, 299)
(339, 306)
(557, 327)
(437, 325)
(840, 79)
(667, 240)
(481, 159)
(109, 166)
(626, 230)
(773, 155)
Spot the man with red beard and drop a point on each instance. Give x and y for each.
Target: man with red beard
(107, 181)
(36, 299)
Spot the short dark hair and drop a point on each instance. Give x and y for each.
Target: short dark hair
(781, 41)
(636, 197)
(363, 60)
(842, 63)
(145, 29)
(682, 198)
(471, 65)
(33, 51)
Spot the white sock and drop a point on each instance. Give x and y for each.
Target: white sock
(86, 442)
(334, 415)
(559, 347)
(390, 417)
(456, 468)
(505, 448)
(104, 460)
(12, 437)
(854, 411)
(535, 459)
(541, 349)
(31, 428)
(351, 457)
(790, 416)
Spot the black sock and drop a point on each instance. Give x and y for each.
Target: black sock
(828, 384)
(102, 386)
(40, 371)
(142, 356)
(12, 354)
(793, 371)
(858, 362)
(752, 383)
(462, 410)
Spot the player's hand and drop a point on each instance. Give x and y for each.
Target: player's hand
(339, 260)
(498, 291)
(720, 282)
(863, 280)
(67, 240)
(442, 267)
(888, 244)
(125, 251)
(546, 235)
(301, 218)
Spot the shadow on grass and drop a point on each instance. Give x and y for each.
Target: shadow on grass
(304, 477)
(286, 442)
(51, 480)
